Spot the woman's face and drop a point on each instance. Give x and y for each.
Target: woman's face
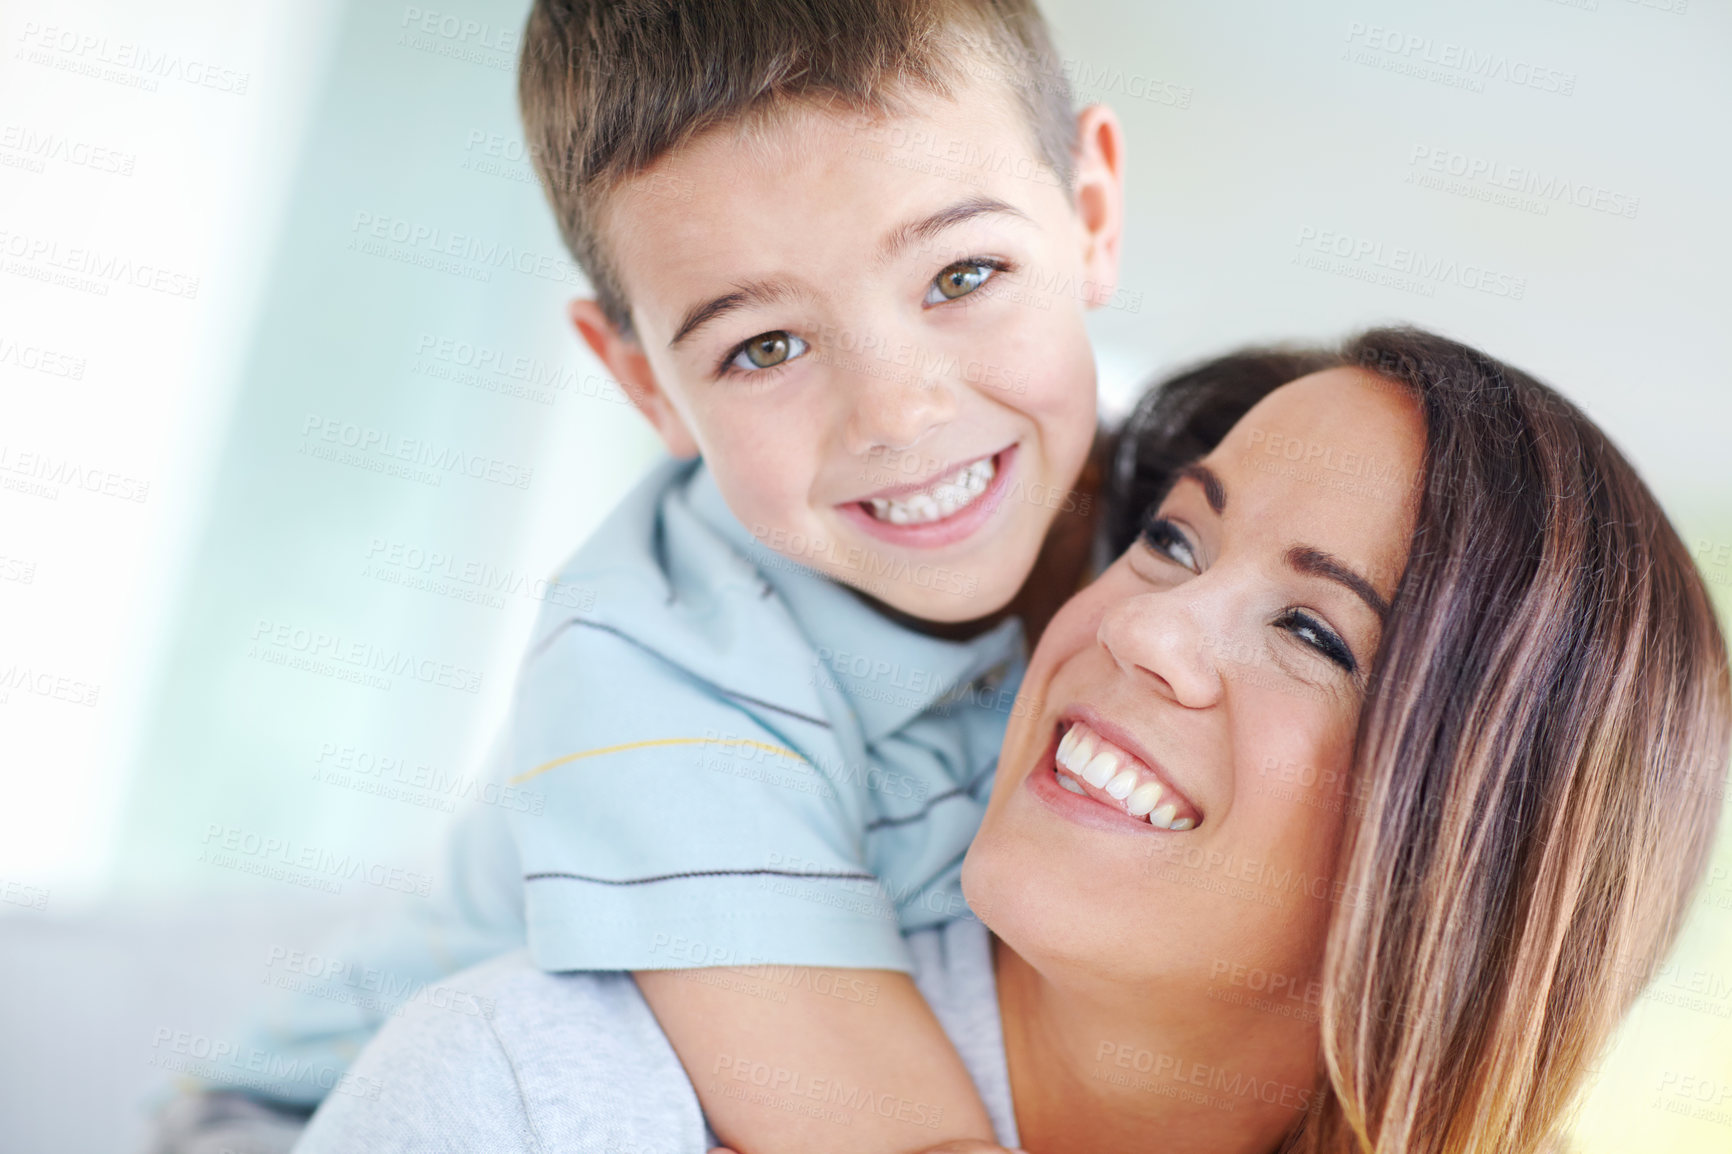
(1203, 697)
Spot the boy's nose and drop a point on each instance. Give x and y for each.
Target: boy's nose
(896, 410)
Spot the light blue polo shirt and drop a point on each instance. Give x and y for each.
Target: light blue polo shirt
(741, 761)
(731, 761)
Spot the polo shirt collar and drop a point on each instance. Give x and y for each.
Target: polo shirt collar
(889, 674)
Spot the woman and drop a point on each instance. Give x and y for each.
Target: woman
(1347, 809)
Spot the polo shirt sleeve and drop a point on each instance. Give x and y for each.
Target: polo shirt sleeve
(679, 824)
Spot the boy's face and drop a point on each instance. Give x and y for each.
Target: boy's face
(872, 330)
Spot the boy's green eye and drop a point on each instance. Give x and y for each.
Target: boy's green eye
(766, 351)
(769, 349)
(959, 280)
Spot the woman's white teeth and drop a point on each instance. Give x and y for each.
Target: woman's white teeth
(1121, 786)
(942, 499)
(1144, 798)
(1101, 768)
(1084, 753)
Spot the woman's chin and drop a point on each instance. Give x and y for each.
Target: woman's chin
(1040, 911)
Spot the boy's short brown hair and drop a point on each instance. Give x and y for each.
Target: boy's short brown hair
(607, 87)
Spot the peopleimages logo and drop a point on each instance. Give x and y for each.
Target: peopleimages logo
(19, 678)
(34, 150)
(870, 565)
(370, 231)
(1459, 65)
(90, 269)
(232, 1063)
(1513, 185)
(124, 61)
(448, 26)
(42, 475)
(389, 448)
(233, 847)
(316, 648)
(436, 571)
(37, 359)
(1399, 266)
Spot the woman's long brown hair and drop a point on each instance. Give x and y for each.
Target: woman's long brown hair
(1540, 749)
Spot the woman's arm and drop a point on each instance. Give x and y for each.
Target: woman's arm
(965, 1146)
(790, 1060)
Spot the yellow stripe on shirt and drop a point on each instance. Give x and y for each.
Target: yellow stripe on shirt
(660, 741)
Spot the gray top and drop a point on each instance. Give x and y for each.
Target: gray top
(576, 1062)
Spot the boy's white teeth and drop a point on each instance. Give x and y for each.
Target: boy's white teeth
(943, 498)
(1083, 753)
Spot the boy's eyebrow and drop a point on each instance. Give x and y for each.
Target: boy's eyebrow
(752, 292)
(930, 226)
(761, 292)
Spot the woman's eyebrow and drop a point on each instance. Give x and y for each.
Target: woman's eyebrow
(1304, 558)
(1213, 491)
(1317, 563)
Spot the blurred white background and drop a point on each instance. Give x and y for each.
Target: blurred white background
(195, 312)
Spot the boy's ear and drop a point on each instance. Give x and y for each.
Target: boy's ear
(624, 360)
(1100, 197)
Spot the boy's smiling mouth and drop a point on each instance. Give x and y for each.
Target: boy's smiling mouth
(924, 504)
(946, 508)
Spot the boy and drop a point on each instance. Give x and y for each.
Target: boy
(841, 254)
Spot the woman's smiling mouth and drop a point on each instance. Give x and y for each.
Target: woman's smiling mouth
(1089, 766)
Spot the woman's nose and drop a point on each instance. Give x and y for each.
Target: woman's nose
(1165, 637)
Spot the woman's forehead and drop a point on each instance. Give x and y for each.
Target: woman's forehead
(1333, 459)
(1344, 409)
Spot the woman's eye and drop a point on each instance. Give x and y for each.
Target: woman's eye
(1319, 637)
(1165, 538)
(959, 280)
(766, 351)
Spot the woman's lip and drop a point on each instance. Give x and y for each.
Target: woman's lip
(963, 523)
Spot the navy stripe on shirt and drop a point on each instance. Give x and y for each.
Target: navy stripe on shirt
(720, 690)
(923, 811)
(698, 874)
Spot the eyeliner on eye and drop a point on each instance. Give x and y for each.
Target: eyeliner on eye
(1164, 537)
(1323, 639)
